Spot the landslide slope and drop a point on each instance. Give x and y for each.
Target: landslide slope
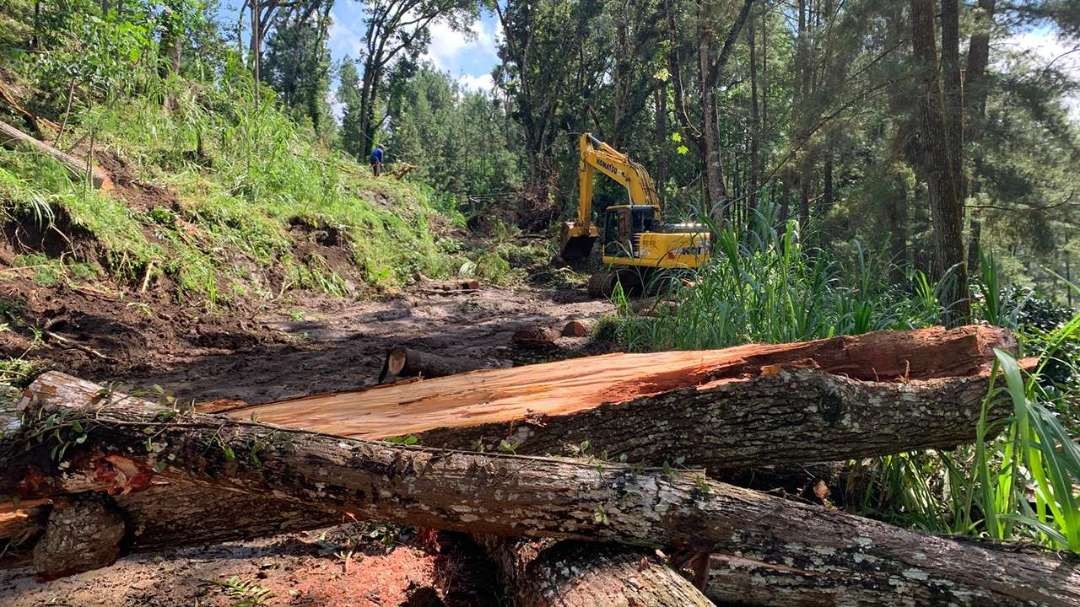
(221, 208)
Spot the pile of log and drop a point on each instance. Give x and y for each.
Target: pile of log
(589, 481)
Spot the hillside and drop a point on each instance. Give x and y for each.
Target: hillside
(219, 210)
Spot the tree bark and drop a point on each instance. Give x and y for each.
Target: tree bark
(746, 406)
(710, 147)
(83, 533)
(808, 581)
(406, 362)
(946, 200)
(976, 88)
(755, 122)
(585, 574)
(12, 137)
(256, 46)
(514, 496)
(660, 136)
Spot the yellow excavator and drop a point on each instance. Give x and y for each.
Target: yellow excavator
(634, 241)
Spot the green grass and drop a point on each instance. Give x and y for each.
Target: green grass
(763, 286)
(250, 185)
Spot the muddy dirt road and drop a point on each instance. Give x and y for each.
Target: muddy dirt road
(317, 345)
(326, 345)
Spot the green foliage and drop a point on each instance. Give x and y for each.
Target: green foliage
(297, 66)
(348, 94)
(267, 182)
(243, 593)
(763, 286)
(456, 138)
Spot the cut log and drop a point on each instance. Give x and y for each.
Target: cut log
(83, 533)
(807, 579)
(575, 328)
(12, 137)
(726, 409)
(535, 338)
(406, 362)
(585, 574)
(512, 496)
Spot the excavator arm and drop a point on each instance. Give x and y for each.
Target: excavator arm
(596, 156)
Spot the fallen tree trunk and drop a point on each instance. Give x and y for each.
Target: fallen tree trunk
(406, 362)
(513, 496)
(183, 513)
(728, 409)
(585, 574)
(11, 137)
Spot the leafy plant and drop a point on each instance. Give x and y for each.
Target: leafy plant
(244, 593)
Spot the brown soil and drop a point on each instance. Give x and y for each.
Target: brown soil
(341, 567)
(319, 344)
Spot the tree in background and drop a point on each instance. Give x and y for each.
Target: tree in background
(348, 95)
(709, 63)
(553, 58)
(458, 139)
(399, 30)
(297, 63)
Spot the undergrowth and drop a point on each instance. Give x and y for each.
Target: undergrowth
(1018, 481)
(251, 187)
(762, 285)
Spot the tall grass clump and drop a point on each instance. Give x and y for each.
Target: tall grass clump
(763, 285)
(1020, 479)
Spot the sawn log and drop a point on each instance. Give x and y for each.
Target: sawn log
(868, 395)
(406, 362)
(508, 495)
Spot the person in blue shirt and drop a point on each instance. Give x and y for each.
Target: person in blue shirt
(376, 160)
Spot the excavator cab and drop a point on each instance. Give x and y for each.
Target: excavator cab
(623, 226)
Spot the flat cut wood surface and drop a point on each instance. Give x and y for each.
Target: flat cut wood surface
(565, 387)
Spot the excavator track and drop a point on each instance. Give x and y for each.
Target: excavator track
(602, 283)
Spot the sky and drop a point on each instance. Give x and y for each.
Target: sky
(467, 56)
(1046, 48)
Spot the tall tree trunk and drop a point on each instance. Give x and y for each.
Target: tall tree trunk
(975, 93)
(828, 192)
(34, 33)
(954, 101)
(368, 96)
(661, 135)
(896, 211)
(946, 204)
(716, 196)
(800, 123)
(765, 68)
(256, 46)
(755, 121)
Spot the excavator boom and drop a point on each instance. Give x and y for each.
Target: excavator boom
(595, 156)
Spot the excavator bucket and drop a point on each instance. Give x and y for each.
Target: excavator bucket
(576, 241)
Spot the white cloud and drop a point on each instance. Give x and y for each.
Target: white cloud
(1046, 48)
(453, 50)
(337, 108)
(343, 40)
(482, 83)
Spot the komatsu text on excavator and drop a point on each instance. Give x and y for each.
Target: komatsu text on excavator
(633, 240)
